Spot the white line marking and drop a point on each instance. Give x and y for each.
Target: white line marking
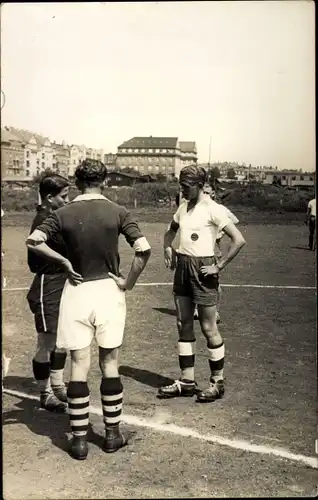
(186, 432)
(225, 285)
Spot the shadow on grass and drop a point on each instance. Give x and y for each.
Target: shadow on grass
(144, 376)
(165, 310)
(40, 422)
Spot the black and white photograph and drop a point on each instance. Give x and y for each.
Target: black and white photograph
(158, 250)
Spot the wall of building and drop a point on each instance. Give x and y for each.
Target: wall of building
(12, 159)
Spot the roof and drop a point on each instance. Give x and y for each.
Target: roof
(8, 136)
(25, 136)
(131, 175)
(150, 142)
(287, 172)
(188, 146)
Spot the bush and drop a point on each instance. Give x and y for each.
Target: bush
(152, 194)
(270, 198)
(264, 198)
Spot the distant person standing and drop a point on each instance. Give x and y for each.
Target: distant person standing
(311, 222)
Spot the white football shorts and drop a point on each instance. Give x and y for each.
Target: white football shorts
(91, 309)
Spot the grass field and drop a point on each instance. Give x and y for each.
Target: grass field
(253, 443)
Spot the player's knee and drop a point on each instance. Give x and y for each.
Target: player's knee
(209, 328)
(45, 345)
(108, 362)
(81, 360)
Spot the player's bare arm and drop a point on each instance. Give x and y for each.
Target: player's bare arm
(137, 266)
(237, 243)
(39, 246)
(169, 252)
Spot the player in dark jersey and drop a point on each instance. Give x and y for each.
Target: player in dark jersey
(93, 303)
(44, 300)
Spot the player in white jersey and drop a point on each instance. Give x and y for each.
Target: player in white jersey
(311, 221)
(196, 281)
(208, 190)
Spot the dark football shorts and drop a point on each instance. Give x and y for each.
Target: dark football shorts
(190, 282)
(44, 299)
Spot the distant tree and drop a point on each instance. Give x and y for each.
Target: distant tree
(213, 174)
(38, 177)
(161, 177)
(127, 170)
(231, 173)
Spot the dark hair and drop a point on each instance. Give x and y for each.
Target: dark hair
(52, 184)
(193, 174)
(91, 173)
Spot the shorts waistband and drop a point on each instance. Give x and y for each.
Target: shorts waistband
(194, 258)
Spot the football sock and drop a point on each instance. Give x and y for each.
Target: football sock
(216, 362)
(78, 407)
(58, 360)
(41, 372)
(111, 390)
(186, 351)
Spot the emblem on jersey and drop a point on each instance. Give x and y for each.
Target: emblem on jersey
(194, 236)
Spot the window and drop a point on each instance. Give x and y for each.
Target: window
(28, 164)
(157, 150)
(130, 150)
(293, 177)
(142, 150)
(136, 150)
(43, 156)
(311, 178)
(284, 177)
(27, 154)
(150, 150)
(28, 173)
(43, 164)
(301, 177)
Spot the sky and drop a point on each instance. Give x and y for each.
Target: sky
(238, 74)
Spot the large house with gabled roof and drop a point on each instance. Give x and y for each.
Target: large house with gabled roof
(154, 155)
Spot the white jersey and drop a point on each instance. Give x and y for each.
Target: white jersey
(232, 218)
(312, 207)
(199, 227)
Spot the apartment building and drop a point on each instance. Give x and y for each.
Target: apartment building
(154, 155)
(12, 156)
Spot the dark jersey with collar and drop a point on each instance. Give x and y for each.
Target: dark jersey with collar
(38, 264)
(90, 229)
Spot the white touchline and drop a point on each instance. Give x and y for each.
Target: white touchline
(186, 432)
(225, 285)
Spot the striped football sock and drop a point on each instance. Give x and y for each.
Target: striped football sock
(58, 360)
(41, 372)
(186, 351)
(78, 405)
(216, 362)
(111, 390)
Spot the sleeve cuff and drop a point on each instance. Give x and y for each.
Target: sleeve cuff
(36, 237)
(141, 245)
